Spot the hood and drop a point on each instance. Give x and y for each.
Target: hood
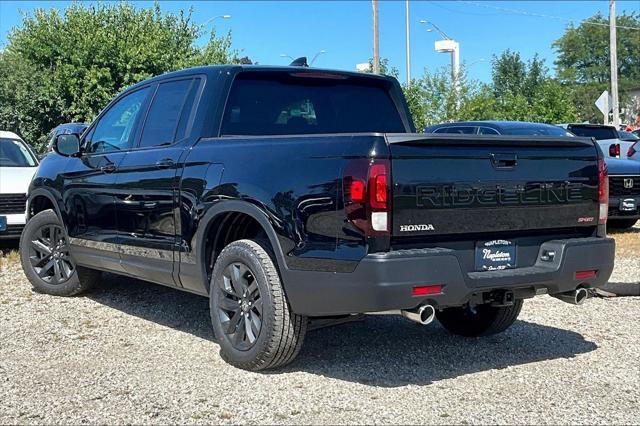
(15, 180)
(618, 166)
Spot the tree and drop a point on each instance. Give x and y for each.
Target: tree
(64, 67)
(525, 92)
(519, 91)
(583, 60)
(583, 51)
(508, 73)
(434, 98)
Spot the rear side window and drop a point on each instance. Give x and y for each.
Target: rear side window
(283, 104)
(487, 131)
(599, 133)
(460, 130)
(165, 112)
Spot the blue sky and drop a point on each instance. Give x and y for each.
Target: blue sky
(265, 29)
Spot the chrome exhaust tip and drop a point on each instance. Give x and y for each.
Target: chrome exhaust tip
(423, 314)
(576, 297)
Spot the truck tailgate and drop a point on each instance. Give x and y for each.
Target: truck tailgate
(457, 184)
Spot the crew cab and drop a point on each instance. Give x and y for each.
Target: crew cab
(289, 195)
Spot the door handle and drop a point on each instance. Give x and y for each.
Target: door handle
(108, 168)
(166, 163)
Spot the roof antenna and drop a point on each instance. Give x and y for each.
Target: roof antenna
(300, 62)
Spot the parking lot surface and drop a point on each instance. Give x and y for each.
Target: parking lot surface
(132, 352)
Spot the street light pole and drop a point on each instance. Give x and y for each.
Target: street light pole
(614, 63)
(376, 47)
(406, 7)
(216, 17)
(447, 45)
(316, 56)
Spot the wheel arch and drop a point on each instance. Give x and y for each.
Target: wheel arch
(40, 200)
(231, 210)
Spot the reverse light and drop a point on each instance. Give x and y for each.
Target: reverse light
(583, 275)
(603, 191)
(614, 150)
(425, 290)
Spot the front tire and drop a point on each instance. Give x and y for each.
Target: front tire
(45, 258)
(250, 314)
(479, 320)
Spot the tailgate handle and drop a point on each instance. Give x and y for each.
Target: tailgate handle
(504, 161)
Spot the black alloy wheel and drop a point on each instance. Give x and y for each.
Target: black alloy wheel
(49, 255)
(240, 306)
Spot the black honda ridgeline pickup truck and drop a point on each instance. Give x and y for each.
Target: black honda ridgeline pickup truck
(291, 195)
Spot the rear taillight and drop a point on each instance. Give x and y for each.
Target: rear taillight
(367, 196)
(614, 150)
(603, 191)
(633, 149)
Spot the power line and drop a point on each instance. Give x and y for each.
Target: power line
(542, 15)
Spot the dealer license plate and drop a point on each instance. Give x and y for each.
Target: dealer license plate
(495, 254)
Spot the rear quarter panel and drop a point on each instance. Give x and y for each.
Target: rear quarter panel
(295, 181)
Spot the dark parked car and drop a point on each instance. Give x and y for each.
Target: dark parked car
(514, 128)
(287, 195)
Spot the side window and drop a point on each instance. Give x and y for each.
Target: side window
(165, 112)
(114, 131)
(460, 130)
(487, 131)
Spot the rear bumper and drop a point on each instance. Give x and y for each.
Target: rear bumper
(385, 281)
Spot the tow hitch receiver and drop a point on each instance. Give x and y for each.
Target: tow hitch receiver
(502, 298)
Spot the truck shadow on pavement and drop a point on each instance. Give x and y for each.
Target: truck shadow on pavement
(383, 351)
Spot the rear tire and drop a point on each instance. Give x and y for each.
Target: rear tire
(250, 314)
(46, 261)
(480, 320)
(622, 223)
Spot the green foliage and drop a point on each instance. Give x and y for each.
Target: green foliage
(583, 61)
(583, 51)
(64, 67)
(519, 91)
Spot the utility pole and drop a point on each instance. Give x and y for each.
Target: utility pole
(406, 7)
(614, 63)
(376, 47)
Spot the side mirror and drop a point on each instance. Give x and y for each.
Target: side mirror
(67, 145)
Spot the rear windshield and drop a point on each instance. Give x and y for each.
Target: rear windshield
(284, 104)
(599, 133)
(536, 131)
(14, 153)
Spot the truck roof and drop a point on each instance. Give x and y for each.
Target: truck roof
(233, 69)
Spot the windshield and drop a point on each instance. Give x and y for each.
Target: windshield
(277, 104)
(536, 131)
(600, 133)
(14, 153)
(628, 136)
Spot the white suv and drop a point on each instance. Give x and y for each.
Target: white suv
(18, 163)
